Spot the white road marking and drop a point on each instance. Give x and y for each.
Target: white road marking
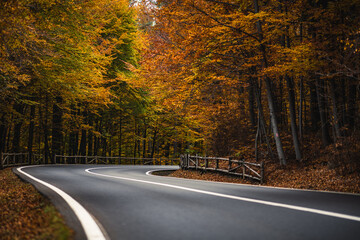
(149, 173)
(275, 204)
(91, 228)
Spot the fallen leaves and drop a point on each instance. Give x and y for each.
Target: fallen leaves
(25, 214)
(325, 169)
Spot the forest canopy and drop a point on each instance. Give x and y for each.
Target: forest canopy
(252, 78)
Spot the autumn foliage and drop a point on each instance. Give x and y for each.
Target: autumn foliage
(269, 74)
(263, 80)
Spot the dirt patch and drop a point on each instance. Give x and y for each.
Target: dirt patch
(163, 172)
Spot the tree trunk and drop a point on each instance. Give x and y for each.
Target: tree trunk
(83, 140)
(335, 110)
(262, 125)
(135, 138)
(83, 143)
(17, 129)
(3, 130)
(351, 109)
(274, 125)
(301, 86)
(104, 146)
(144, 141)
(120, 137)
(251, 103)
(57, 128)
(46, 133)
(96, 146)
(110, 146)
(167, 150)
(97, 139)
(31, 133)
(290, 86)
(90, 138)
(257, 139)
(273, 120)
(325, 136)
(2, 140)
(153, 144)
(314, 108)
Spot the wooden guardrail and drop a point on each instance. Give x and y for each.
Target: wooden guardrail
(60, 159)
(14, 159)
(231, 166)
(18, 159)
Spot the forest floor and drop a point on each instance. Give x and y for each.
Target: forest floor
(335, 168)
(26, 214)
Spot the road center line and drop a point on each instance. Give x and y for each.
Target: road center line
(274, 204)
(91, 228)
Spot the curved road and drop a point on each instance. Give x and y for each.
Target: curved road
(127, 203)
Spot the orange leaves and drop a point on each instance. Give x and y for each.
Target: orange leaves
(25, 214)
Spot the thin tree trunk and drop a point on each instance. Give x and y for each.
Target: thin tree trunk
(3, 130)
(17, 129)
(290, 85)
(167, 150)
(273, 120)
(138, 152)
(96, 146)
(301, 86)
(104, 146)
(110, 146)
(153, 144)
(31, 133)
(144, 141)
(335, 110)
(57, 129)
(8, 136)
(2, 139)
(46, 133)
(120, 137)
(292, 107)
(83, 143)
(351, 109)
(274, 124)
(251, 103)
(135, 138)
(90, 138)
(325, 136)
(263, 126)
(257, 138)
(314, 107)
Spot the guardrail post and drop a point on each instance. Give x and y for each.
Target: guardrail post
(230, 163)
(243, 170)
(196, 162)
(262, 172)
(206, 162)
(1, 160)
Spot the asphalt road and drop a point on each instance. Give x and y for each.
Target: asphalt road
(126, 203)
